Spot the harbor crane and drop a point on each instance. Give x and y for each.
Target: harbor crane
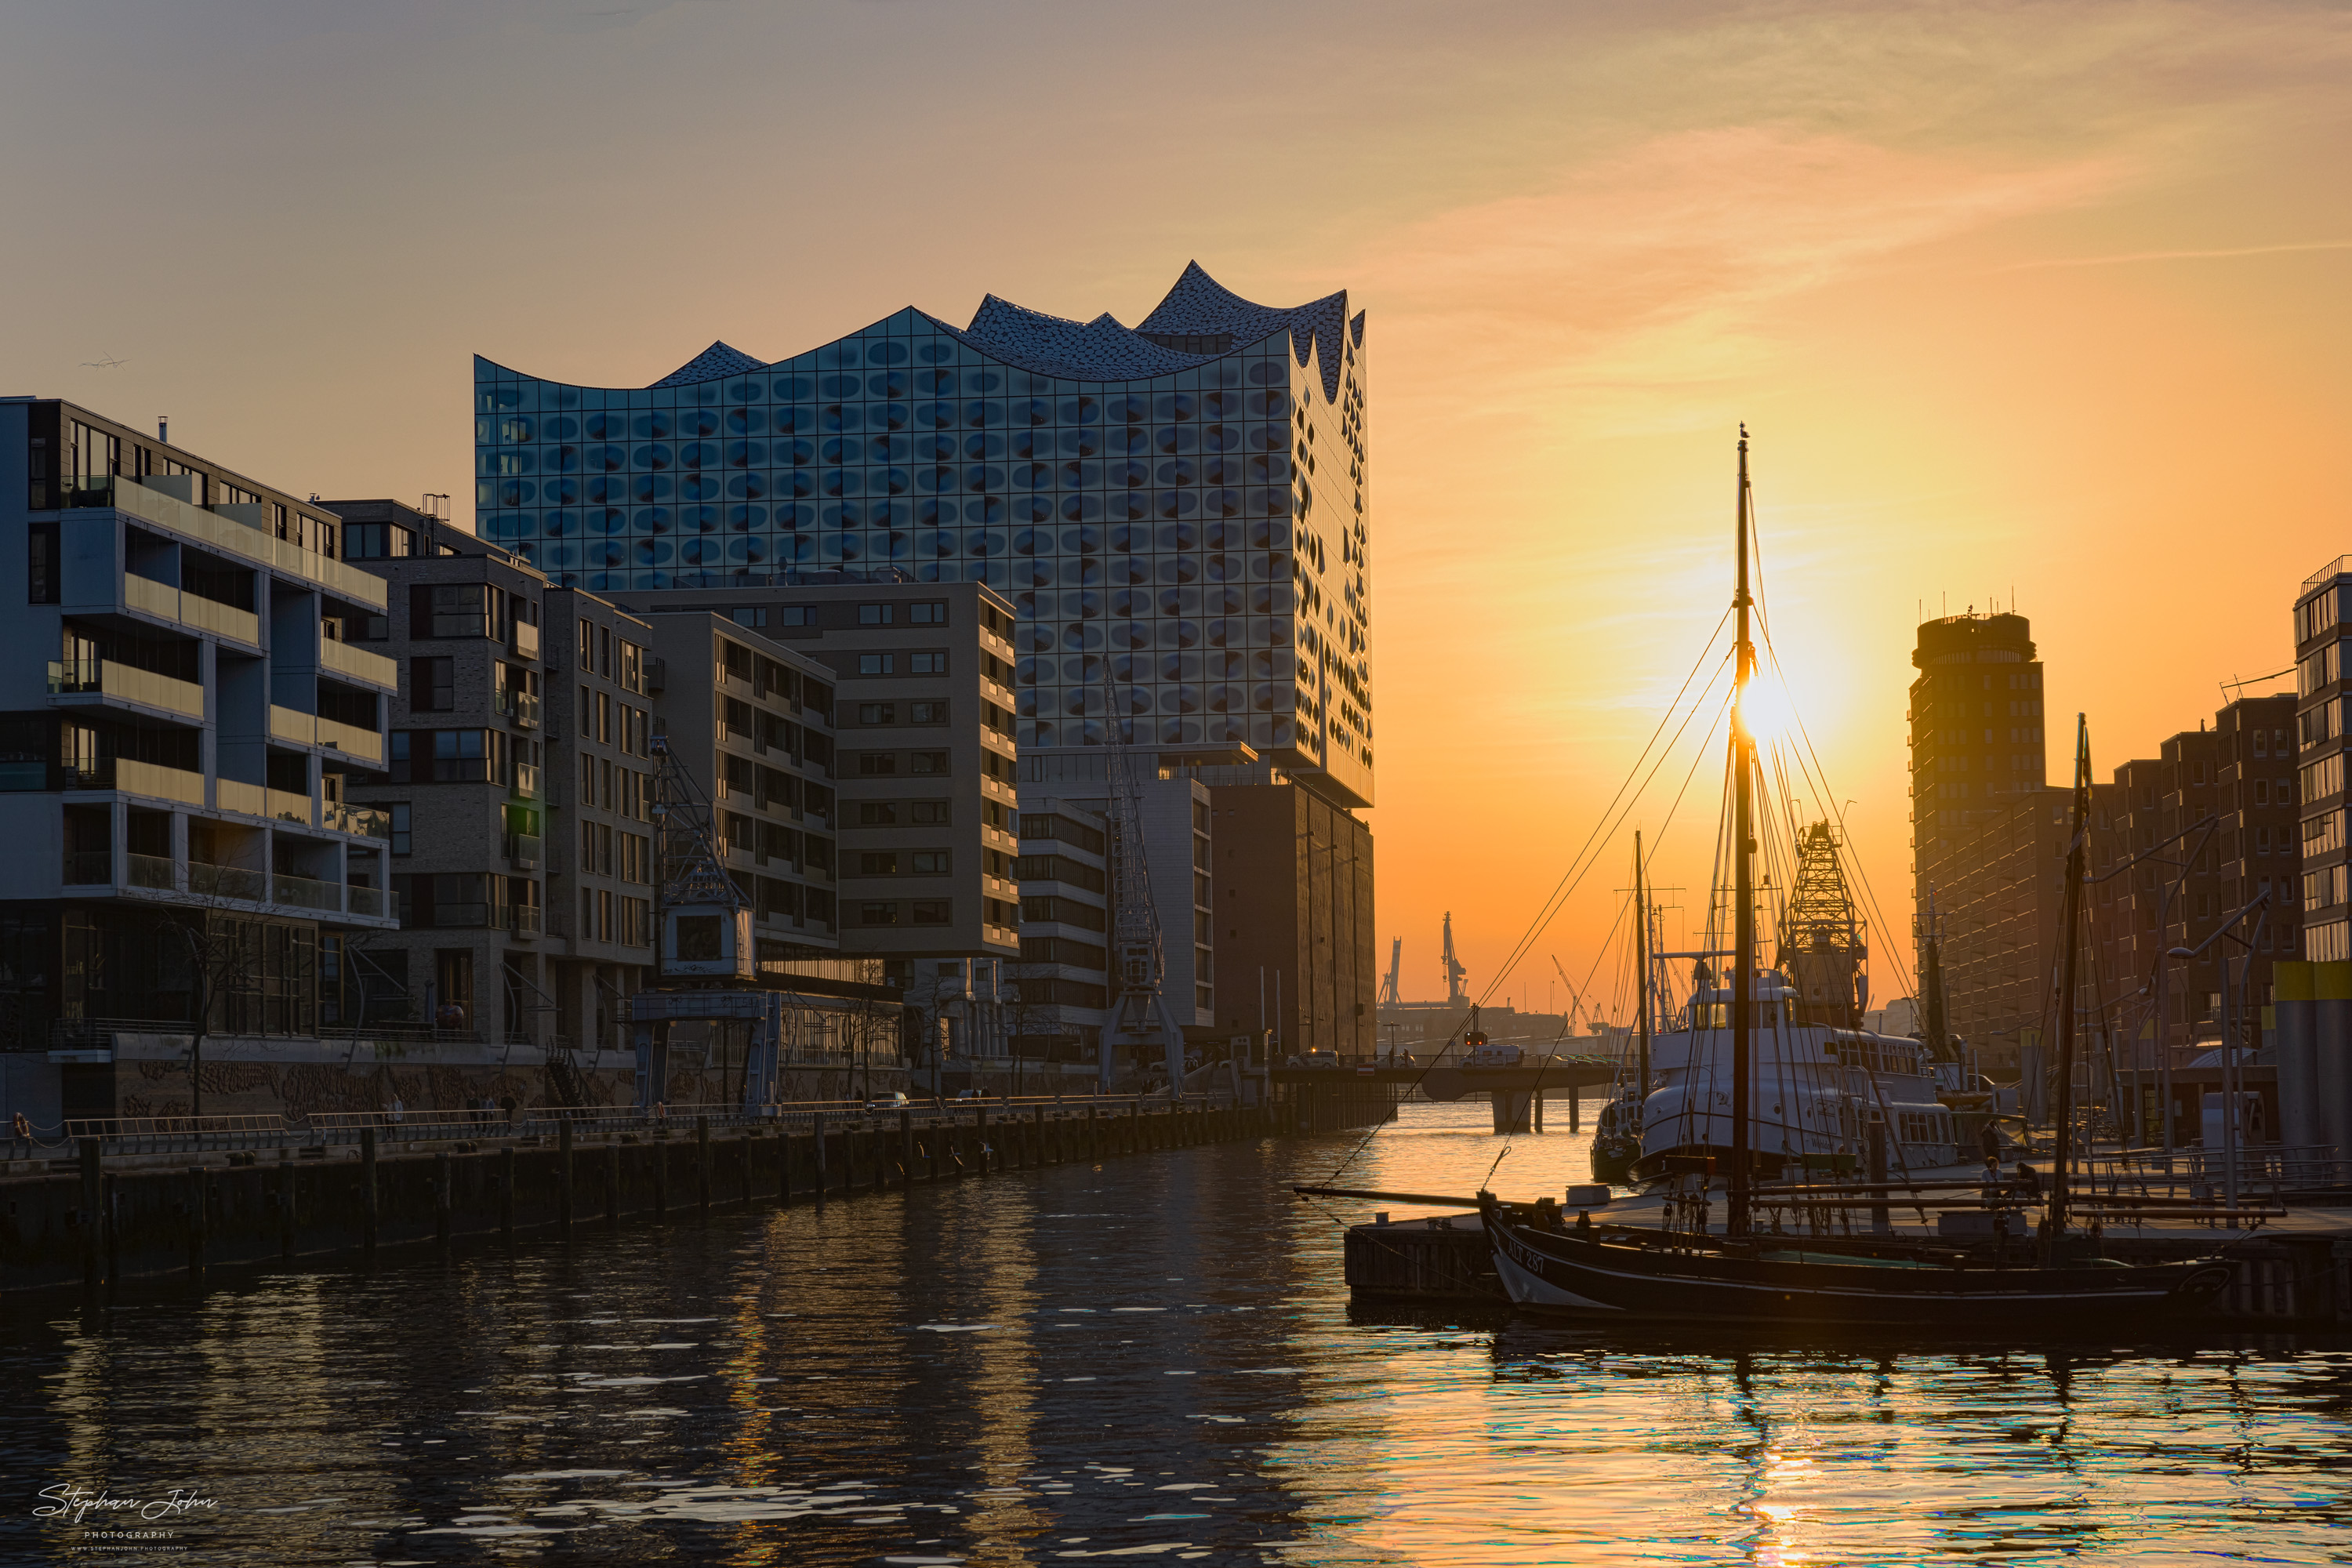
(1456, 995)
(1141, 975)
(1389, 998)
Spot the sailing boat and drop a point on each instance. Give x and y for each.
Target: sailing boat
(1745, 1275)
(1617, 1131)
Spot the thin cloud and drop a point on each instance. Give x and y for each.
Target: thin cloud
(2216, 255)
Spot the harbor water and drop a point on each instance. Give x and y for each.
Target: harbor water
(1149, 1359)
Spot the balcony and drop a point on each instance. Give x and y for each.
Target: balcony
(358, 665)
(526, 919)
(108, 678)
(151, 871)
(294, 729)
(226, 882)
(523, 849)
(193, 611)
(525, 641)
(307, 892)
(231, 534)
(519, 708)
(287, 806)
(366, 745)
(363, 821)
(526, 782)
(365, 900)
(133, 777)
(89, 868)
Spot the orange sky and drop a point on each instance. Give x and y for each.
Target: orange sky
(2047, 299)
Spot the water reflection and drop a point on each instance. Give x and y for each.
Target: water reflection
(1155, 1359)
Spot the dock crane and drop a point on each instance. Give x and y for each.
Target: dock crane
(1389, 998)
(1575, 1000)
(1454, 974)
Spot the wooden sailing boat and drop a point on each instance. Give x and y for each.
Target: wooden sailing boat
(1741, 1275)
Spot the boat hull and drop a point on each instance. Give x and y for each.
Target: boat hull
(1546, 1270)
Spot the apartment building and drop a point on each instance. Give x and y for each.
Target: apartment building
(598, 670)
(180, 746)
(1059, 995)
(466, 783)
(1293, 891)
(749, 722)
(922, 707)
(2321, 711)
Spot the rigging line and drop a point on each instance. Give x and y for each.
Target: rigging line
(1535, 932)
(1549, 909)
(1817, 770)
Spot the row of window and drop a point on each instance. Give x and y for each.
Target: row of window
(928, 663)
(906, 862)
(910, 813)
(917, 712)
(913, 912)
(616, 659)
(632, 863)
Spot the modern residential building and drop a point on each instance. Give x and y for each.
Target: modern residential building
(1060, 992)
(2212, 818)
(920, 700)
(749, 722)
(2320, 713)
(1151, 502)
(1976, 726)
(1293, 888)
(1992, 900)
(467, 790)
(181, 744)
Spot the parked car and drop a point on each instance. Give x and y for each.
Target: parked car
(1319, 1058)
(893, 1101)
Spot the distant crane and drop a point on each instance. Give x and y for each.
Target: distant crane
(1142, 965)
(1454, 974)
(1575, 1002)
(1389, 998)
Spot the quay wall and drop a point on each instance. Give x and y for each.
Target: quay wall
(94, 1216)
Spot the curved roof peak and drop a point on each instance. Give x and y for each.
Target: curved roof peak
(1199, 304)
(1099, 350)
(718, 360)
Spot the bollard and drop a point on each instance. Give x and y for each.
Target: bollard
(816, 1121)
(93, 1188)
(563, 1178)
(442, 1181)
(564, 1190)
(368, 1212)
(702, 1165)
(1537, 1109)
(199, 1196)
(286, 1219)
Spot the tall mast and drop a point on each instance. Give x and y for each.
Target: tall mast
(1743, 877)
(1641, 982)
(2077, 863)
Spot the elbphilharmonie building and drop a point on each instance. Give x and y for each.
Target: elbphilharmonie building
(1179, 512)
(1187, 497)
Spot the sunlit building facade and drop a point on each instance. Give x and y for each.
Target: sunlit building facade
(1179, 511)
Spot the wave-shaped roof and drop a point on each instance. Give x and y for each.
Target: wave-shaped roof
(714, 363)
(1199, 319)
(1200, 304)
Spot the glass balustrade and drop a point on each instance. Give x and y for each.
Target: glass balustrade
(151, 871)
(306, 892)
(225, 881)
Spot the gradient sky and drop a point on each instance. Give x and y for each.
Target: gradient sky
(2044, 304)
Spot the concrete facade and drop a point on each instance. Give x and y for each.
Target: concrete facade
(1293, 891)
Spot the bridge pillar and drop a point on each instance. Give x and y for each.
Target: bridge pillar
(1512, 1107)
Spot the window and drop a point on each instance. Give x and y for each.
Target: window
(587, 643)
(878, 863)
(438, 757)
(927, 663)
(754, 617)
(927, 712)
(929, 862)
(874, 614)
(41, 579)
(877, 663)
(796, 616)
(2261, 792)
(432, 685)
(369, 540)
(877, 914)
(874, 764)
(927, 761)
(928, 813)
(932, 912)
(933, 613)
(399, 840)
(450, 610)
(878, 813)
(878, 712)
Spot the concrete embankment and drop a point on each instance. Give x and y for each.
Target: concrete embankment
(103, 1215)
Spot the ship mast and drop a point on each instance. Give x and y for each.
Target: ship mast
(1641, 983)
(2077, 867)
(1743, 850)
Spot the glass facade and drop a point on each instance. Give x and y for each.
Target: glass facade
(1187, 500)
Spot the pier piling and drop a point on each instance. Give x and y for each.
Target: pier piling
(198, 1194)
(702, 1165)
(368, 1212)
(506, 1193)
(563, 1178)
(91, 1190)
(444, 1177)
